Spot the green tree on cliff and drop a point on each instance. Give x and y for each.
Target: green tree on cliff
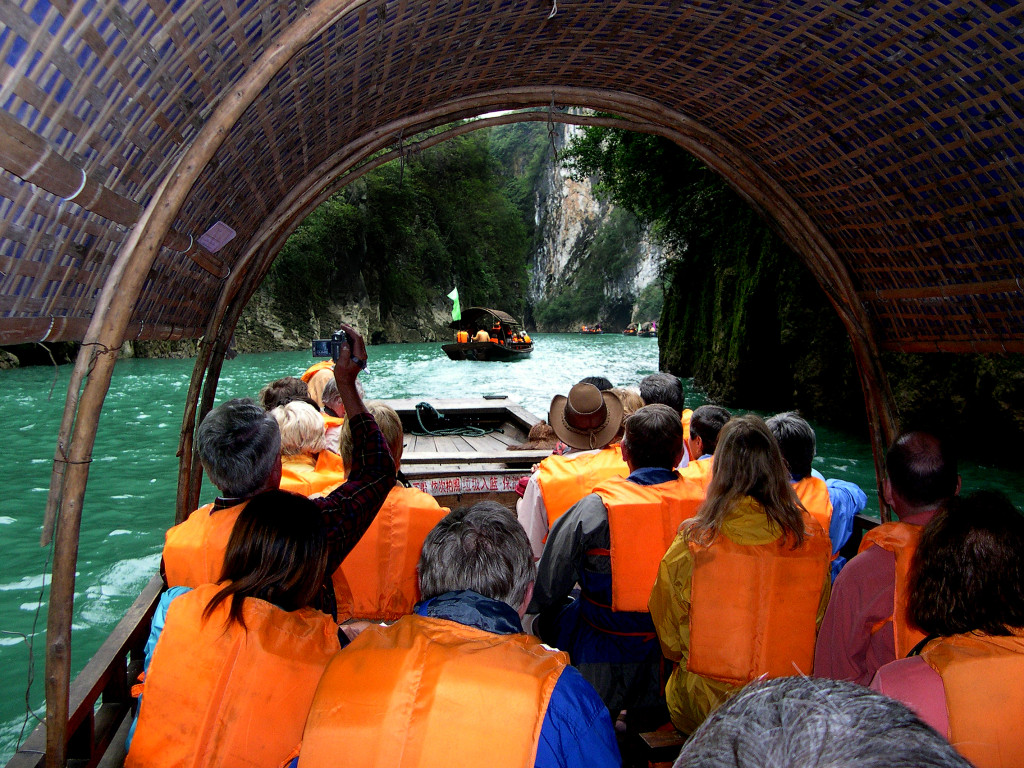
(738, 302)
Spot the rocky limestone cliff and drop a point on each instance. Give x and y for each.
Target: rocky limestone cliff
(570, 221)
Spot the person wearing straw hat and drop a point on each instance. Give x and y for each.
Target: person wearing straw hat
(610, 543)
(588, 421)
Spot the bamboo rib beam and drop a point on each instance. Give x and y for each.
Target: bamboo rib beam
(1008, 347)
(106, 332)
(1011, 285)
(31, 158)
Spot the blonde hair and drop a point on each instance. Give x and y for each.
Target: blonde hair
(748, 462)
(302, 428)
(390, 426)
(630, 398)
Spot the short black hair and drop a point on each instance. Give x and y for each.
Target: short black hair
(663, 388)
(796, 439)
(601, 382)
(706, 422)
(921, 468)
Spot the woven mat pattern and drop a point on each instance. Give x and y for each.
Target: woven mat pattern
(896, 126)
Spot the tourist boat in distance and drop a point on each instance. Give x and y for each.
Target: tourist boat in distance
(631, 330)
(591, 328)
(506, 337)
(649, 330)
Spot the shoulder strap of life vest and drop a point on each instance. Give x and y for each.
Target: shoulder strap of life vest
(432, 693)
(699, 470)
(901, 539)
(753, 608)
(237, 696)
(311, 371)
(983, 678)
(564, 480)
(331, 421)
(643, 520)
(687, 413)
(813, 494)
(194, 550)
(381, 568)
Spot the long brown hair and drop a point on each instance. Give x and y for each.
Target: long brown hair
(748, 462)
(277, 552)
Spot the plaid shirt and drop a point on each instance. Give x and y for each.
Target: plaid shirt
(349, 509)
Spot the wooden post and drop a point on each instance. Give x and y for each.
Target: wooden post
(106, 333)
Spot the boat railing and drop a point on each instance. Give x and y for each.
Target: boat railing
(100, 699)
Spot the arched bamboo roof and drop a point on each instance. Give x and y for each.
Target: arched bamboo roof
(885, 138)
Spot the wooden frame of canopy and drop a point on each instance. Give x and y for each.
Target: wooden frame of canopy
(925, 184)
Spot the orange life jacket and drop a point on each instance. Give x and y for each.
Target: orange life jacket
(432, 693)
(316, 367)
(983, 678)
(564, 480)
(699, 470)
(643, 520)
(194, 550)
(753, 608)
(332, 421)
(901, 539)
(381, 568)
(220, 695)
(687, 413)
(300, 474)
(813, 494)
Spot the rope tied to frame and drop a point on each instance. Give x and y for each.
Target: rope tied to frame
(551, 127)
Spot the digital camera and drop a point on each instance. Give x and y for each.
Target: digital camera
(330, 347)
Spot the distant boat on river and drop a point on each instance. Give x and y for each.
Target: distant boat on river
(488, 334)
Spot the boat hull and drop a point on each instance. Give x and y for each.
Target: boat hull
(487, 351)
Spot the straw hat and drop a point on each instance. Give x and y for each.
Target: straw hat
(587, 418)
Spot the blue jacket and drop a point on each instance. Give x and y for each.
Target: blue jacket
(577, 729)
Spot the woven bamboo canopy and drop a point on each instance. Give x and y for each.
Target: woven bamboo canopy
(883, 138)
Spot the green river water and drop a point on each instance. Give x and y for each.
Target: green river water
(132, 482)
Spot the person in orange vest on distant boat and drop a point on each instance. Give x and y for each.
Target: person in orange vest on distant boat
(833, 502)
(610, 543)
(458, 682)
(866, 624)
(706, 423)
(377, 581)
(231, 667)
(240, 447)
(668, 390)
(967, 594)
(742, 588)
(587, 420)
(307, 467)
(462, 337)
